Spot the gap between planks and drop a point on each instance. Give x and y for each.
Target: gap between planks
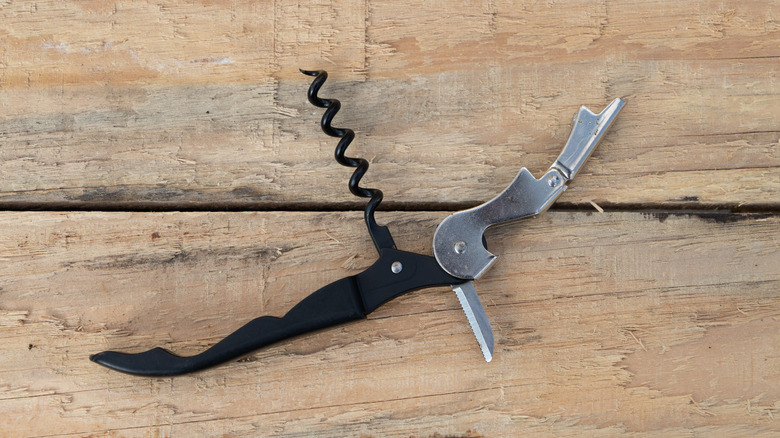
(682, 207)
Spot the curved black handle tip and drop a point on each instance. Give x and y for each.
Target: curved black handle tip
(153, 363)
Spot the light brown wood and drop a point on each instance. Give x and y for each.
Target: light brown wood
(658, 317)
(605, 324)
(200, 104)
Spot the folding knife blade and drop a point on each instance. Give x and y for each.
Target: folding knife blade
(475, 313)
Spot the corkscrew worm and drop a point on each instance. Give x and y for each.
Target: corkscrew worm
(379, 234)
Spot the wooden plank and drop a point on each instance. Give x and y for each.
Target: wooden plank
(606, 324)
(649, 324)
(199, 105)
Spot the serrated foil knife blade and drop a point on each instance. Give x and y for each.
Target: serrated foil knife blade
(475, 313)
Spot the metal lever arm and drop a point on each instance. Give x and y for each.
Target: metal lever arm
(457, 243)
(351, 298)
(587, 130)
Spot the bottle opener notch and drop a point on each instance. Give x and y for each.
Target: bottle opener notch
(457, 243)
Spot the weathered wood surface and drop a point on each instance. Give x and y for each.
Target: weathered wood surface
(644, 324)
(199, 104)
(605, 324)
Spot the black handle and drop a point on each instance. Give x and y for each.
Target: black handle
(334, 304)
(394, 273)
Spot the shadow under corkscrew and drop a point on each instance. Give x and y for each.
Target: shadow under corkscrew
(379, 234)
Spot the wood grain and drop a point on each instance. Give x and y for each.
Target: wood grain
(163, 180)
(605, 324)
(199, 105)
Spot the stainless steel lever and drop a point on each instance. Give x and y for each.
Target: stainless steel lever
(457, 243)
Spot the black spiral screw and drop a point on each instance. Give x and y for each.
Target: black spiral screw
(379, 234)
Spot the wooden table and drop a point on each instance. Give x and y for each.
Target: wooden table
(163, 180)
